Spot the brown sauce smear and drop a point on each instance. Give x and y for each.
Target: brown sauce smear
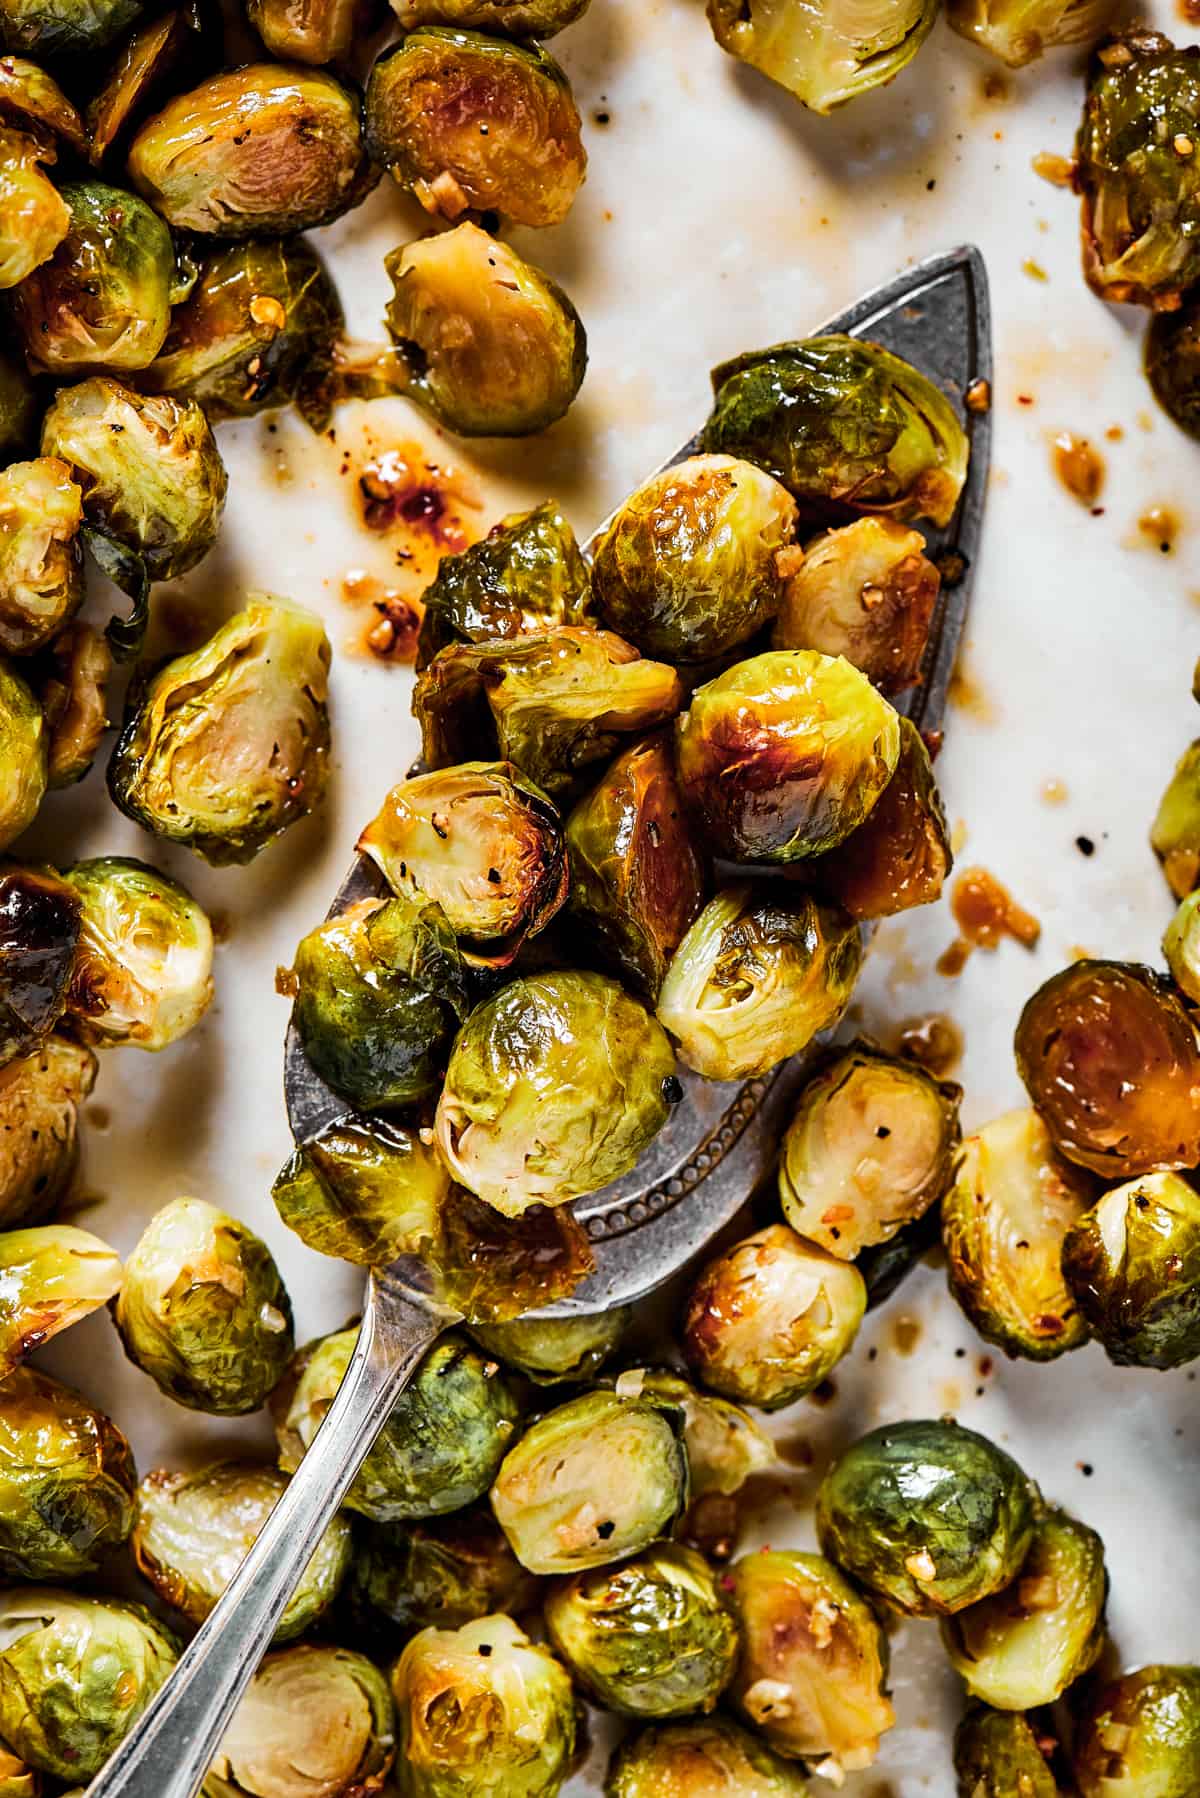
(985, 913)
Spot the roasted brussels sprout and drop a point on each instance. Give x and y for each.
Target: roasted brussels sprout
(482, 1709)
(1181, 947)
(1140, 1734)
(142, 68)
(1175, 833)
(312, 31)
(222, 749)
(1078, 1039)
(929, 1517)
(494, 1268)
(526, 573)
(784, 755)
(50, 1278)
(706, 1757)
(1018, 31)
(997, 1754)
(1173, 363)
(866, 592)
(512, 18)
(843, 424)
(824, 55)
(481, 842)
(593, 1481)
(493, 346)
(17, 1779)
(24, 756)
(870, 1148)
(34, 217)
(315, 1723)
(363, 1190)
(20, 408)
(760, 973)
(41, 559)
(724, 1444)
(900, 857)
(75, 701)
(813, 1670)
(66, 1481)
(40, 1096)
(75, 1675)
(1132, 1265)
(39, 941)
(43, 28)
(202, 1309)
(552, 1350)
(554, 1088)
(443, 1441)
(438, 1574)
(143, 969)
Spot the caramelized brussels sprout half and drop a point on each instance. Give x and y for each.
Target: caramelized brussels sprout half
(1173, 364)
(1181, 947)
(438, 1574)
(866, 591)
(1132, 1264)
(706, 1757)
(66, 1481)
(315, 1722)
(493, 347)
(551, 1350)
(39, 940)
(41, 558)
(20, 408)
(75, 702)
(141, 70)
(928, 1517)
(1175, 833)
(1081, 1037)
(724, 1444)
(364, 1190)
(143, 970)
(312, 31)
(824, 55)
(998, 1754)
(202, 1309)
(511, 18)
(900, 857)
(24, 756)
(17, 1779)
(591, 1482)
(1141, 1733)
(525, 574)
(761, 972)
(40, 1096)
(34, 217)
(494, 1268)
(1019, 31)
(50, 1278)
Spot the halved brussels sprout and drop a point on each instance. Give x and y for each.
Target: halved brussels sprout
(813, 1670)
(39, 940)
(824, 55)
(40, 1096)
(66, 1481)
(142, 68)
(1175, 833)
(1004, 1223)
(785, 754)
(41, 558)
(900, 857)
(525, 574)
(226, 747)
(724, 1444)
(555, 1086)
(312, 31)
(364, 1190)
(651, 1638)
(481, 842)
(1081, 1038)
(24, 756)
(513, 18)
(194, 1530)
(1018, 31)
(202, 1309)
(593, 1481)
(47, 28)
(707, 1757)
(1140, 1734)
(493, 347)
(1181, 947)
(50, 1278)
(441, 1445)
(1132, 1264)
(315, 1723)
(761, 972)
(552, 1350)
(843, 424)
(770, 1318)
(997, 1754)
(871, 1146)
(866, 592)
(1173, 364)
(17, 1779)
(75, 701)
(482, 1709)
(686, 570)
(143, 969)
(20, 408)
(438, 1574)
(34, 217)
(494, 1268)
(929, 1517)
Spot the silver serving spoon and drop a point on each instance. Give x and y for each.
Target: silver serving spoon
(718, 1142)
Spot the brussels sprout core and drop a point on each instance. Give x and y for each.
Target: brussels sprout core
(824, 55)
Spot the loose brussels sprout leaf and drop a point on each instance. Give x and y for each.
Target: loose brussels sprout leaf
(494, 347)
(770, 1318)
(75, 701)
(552, 1350)
(784, 755)
(17, 1780)
(843, 424)
(813, 1670)
(312, 31)
(194, 1530)
(438, 1574)
(706, 1757)
(46, 28)
(1080, 1040)
(315, 1723)
(761, 972)
(1004, 1222)
(724, 1444)
(203, 1310)
(34, 218)
(441, 1445)
(41, 558)
(257, 151)
(226, 747)
(143, 970)
(866, 592)
(525, 574)
(66, 1481)
(39, 938)
(927, 1516)
(591, 1482)
(1140, 1734)
(24, 752)
(512, 18)
(20, 408)
(142, 67)
(651, 1638)
(871, 1147)
(475, 123)
(1132, 1265)
(824, 55)
(1181, 947)
(997, 1755)
(482, 1709)
(553, 701)
(887, 1265)
(555, 1086)
(1018, 31)
(1175, 833)
(365, 1190)
(129, 572)
(50, 1278)
(40, 1096)
(481, 842)
(900, 857)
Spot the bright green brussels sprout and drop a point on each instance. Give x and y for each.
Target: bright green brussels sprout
(20, 408)
(41, 558)
(1018, 31)
(866, 591)
(1139, 1737)
(1173, 364)
(525, 574)
(144, 66)
(193, 1531)
(202, 1309)
(761, 972)
(17, 1779)
(1132, 1264)
(481, 842)
(706, 1757)
(482, 1713)
(493, 347)
(66, 1481)
(438, 1574)
(1181, 947)
(75, 701)
(782, 756)
(443, 1441)
(997, 1754)
(75, 1675)
(314, 1723)
(593, 1481)
(50, 1278)
(555, 1086)
(871, 1147)
(512, 18)
(552, 1350)
(1175, 833)
(724, 1444)
(363, 1190)
(929, 1517)
(770, 1318)
(257, 151)
(1024, 1646)
(312, 31)
(824, 55)
(226, 747)
(813, 1669)
(24, 752)
(900, 857)
(40, 1096)
(39, 941)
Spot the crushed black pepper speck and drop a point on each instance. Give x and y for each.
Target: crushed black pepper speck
(1085, 845)
(605, 1530)
(672, 1091)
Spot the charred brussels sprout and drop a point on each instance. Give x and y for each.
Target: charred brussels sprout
(1077, 1040)
(552, 1350)
(193, 1531)
(66, 1481)
(525, 574)
(41, 558)
(513, 18)
(40, 1096)
(39, 941)
(554, 1088)
(494, 348)
(18, 1780)
(1173, 364)
(785, 754)
(438, 1574)
(1175, 833)
(50, 1278)
(724, 1444)
(1018, 31)
(202, 1309)
(363, 1190)
(706, 1757)
(312, 31)
(1181, 947)
(760, 973)
(24, 756)
(927, 1516)
(143, 970)
(997, 1755)
(900, 857)
(824, 55)
(47, 28)
(866, 592)
(770, 1318)
(226, 747)
(1140, 1734)
(1132, 1265)
(75, 701)
(315, 1722)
